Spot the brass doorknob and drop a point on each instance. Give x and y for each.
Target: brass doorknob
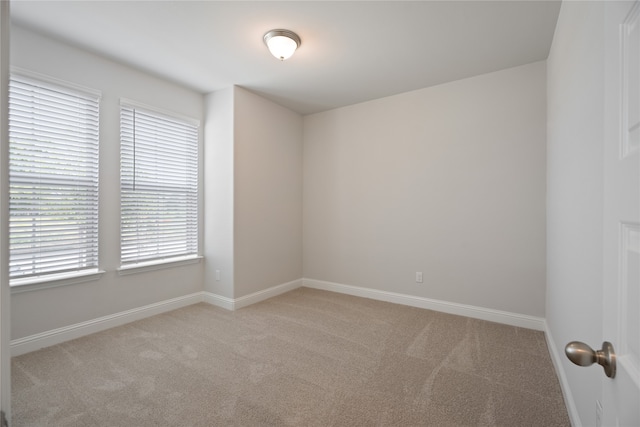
(583, 355)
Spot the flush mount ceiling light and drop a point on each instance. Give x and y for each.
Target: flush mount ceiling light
(281, 43)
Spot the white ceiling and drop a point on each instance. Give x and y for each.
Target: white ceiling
(352, 51)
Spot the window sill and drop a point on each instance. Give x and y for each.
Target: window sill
(143, 267)
(54, 280)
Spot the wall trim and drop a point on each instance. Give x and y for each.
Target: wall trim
(557, 358)
(505, 317)
(56, 336)
(66, 333)
(244, 301)
(267, 293)
(218, 300)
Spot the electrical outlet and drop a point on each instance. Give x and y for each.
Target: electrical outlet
(218, 275)
(418, 276)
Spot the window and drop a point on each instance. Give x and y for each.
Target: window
(158, 186)
(53, 179)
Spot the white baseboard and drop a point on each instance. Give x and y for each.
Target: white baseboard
(267, 293)
(557, 358)
(244, 301)
(218, 300)
(56, 336)
(513, 319)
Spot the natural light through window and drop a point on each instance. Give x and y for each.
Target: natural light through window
(53, 179)
(159, 186)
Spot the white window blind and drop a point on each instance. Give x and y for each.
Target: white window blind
(53, 179)
(158, 186)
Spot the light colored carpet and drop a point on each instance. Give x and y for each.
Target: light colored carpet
(305, 358)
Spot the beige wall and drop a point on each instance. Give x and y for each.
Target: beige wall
(575, 71)
(253, 194)
(267, 194)
(448, 180)
(218, 192)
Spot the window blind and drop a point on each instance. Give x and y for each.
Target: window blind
(158, 186)
(53, 179)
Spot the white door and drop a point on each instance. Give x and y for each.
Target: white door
(621, 215)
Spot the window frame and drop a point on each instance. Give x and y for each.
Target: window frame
(76, 274)
(160, 262)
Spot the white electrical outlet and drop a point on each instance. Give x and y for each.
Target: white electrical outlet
(418, 276)
(218, 275)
